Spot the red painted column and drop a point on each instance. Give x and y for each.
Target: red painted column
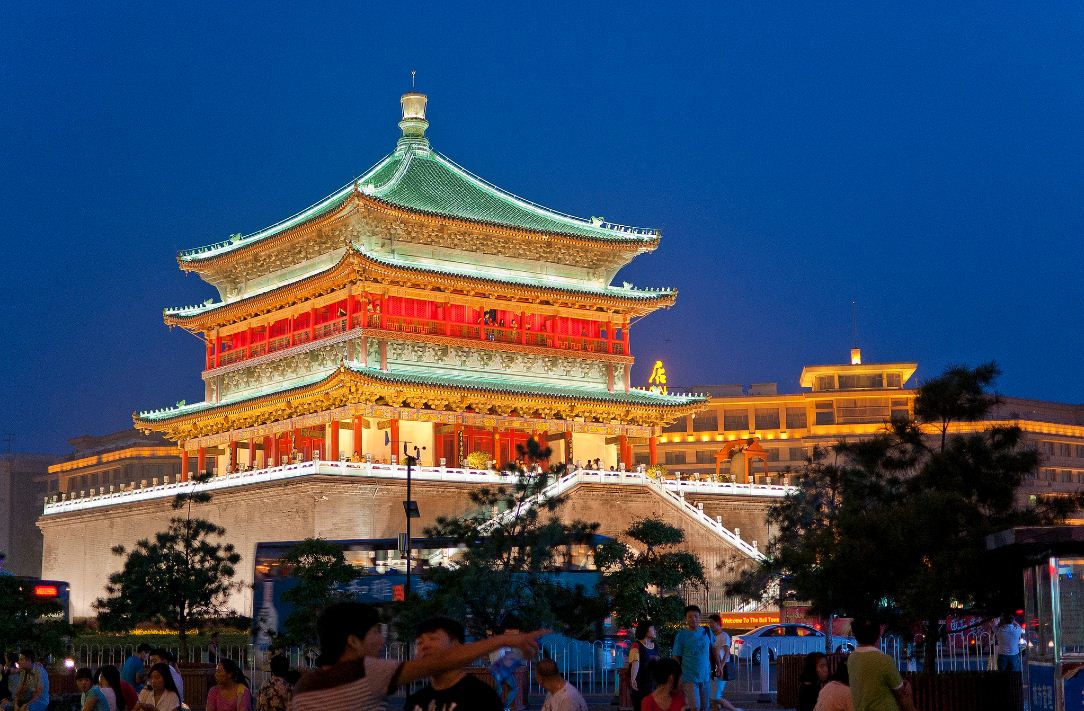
(447, 319)
(395, 438)
(296, 445)
(252, 452)
(357, 436)
(623, 451)
(383, 309)
(497, 448)
(523, 327)
(312, 324)
(274, 457)
(184, 465)
(610, 339)
(333, 450)
(349, 310)
(653, 450)
(201, 460)
(233, 453)
(218, 349)
(568, 448)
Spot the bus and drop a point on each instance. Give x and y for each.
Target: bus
(381, 574)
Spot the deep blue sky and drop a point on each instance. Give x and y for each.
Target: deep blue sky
(926, 159)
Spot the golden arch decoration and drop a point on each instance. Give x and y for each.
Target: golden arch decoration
(750, 447)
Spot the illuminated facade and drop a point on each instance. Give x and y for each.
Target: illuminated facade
(759, 435)
(419, 305)
(115, 461)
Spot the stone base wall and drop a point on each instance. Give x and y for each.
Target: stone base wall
(77, 545)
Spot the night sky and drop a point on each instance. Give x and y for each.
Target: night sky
(924, 159)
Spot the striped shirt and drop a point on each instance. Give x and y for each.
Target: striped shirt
(358, 685)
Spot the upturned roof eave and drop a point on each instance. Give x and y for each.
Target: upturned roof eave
(356, 258)
(154, 420)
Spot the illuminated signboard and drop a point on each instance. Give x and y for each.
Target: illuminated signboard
(657, 380)
(749, 619)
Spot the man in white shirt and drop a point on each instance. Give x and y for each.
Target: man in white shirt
(1008, 644)
(722, 652)
(560, 695)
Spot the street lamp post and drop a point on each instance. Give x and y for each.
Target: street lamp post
(411, 509)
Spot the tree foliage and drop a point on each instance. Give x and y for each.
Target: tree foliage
(319, 569)
(506, 572)
(897, 523)
(179, 578)
(644, 578)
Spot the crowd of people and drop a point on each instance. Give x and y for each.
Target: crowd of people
(351, 675)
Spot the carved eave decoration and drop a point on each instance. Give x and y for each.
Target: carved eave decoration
(364, 215)
(346, 387)
(357, 268)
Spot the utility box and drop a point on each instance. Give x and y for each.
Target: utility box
(1052, 561)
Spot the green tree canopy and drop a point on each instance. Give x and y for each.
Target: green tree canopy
(644, 578)
(180, 578)
(319, 569)
(512, 546)
(897, 523)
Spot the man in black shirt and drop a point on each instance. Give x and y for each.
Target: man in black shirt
(454, 690)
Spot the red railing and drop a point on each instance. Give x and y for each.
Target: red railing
(406, 324)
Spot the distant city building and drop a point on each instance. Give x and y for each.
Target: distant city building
(113, 462)
(759, 435)
(23, 485)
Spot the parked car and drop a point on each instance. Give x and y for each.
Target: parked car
(785, 639)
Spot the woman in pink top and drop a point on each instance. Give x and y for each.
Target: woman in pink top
(836, 694)
(230, 692)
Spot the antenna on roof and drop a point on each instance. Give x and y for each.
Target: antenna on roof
(854, 323)
(856, 352)
(413, 73)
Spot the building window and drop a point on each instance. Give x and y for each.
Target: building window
(1047, 448)
(767, 418)
(861, 382)
(796, 454)
(706, 421)
(895, 380)
(825, 414)
(1066, 476)
(1080, 451)
(1065, 450)
(675, 457)
(796, 418)
(824, 382)
(678, 425)
(642, 458)
(735, 420)
(773, 454)
(705, 456)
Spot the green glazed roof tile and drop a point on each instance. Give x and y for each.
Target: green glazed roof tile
(425, 181)
(633, 397)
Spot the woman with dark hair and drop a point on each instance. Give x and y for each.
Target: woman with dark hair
(276, 692)
(667, 696)
(836, 694)
(814, 677)
(230, 692)
(109, 682)
(641, 656)
(160, 693)
(93, 697)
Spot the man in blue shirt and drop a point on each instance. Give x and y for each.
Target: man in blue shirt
(694, 648)
(134, 667)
